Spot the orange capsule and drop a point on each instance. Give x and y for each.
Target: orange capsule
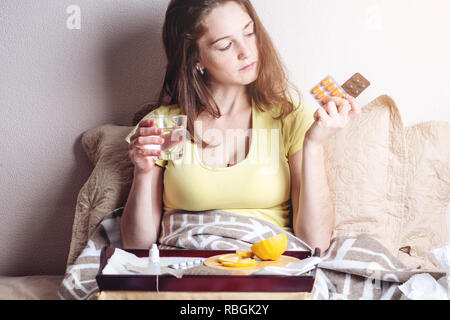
(326, 81)
(324, 100)
(331, 87)
(335, 92)
(320, 95)
(341, 95)
(315, 90)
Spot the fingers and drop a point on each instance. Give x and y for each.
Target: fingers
(322, 117)
(355, 107)
(331, 108)
(147, 152)
(145, 128)
(147, 123)
(342, 105)
(335, 112)
(143, 141)
(145, 132)
(146, 135)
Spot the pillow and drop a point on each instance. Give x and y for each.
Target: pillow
(108, 185)
(363, 173)
(384, 180)
(427, 192)
(391, 182)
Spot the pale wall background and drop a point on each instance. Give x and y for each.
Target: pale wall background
(56, 83)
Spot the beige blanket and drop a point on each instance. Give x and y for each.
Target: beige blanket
(357, 267)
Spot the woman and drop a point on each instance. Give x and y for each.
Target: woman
(224, 74)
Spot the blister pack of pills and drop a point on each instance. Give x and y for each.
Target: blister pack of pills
(187, 264)
(329, 87)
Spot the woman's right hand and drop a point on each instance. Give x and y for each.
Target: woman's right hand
(146, 134)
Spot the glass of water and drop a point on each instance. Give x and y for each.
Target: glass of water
(174, 135)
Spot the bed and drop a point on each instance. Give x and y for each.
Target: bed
(386, 180)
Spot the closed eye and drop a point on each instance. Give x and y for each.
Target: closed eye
(226, 48)
(229, 46)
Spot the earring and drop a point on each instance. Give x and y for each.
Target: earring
(201, 70)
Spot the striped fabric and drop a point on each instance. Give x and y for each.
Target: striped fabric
(352, 268)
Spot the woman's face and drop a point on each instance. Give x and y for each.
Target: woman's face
(229, 45)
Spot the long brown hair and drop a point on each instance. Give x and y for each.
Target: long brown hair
(183, 84)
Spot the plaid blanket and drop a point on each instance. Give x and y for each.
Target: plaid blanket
(357, 267)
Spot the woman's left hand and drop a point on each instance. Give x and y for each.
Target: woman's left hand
(330, 118)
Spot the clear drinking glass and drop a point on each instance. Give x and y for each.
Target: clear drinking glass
(174, 135)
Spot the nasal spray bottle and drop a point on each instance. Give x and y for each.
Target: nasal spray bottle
(153, 263)
(153, 260)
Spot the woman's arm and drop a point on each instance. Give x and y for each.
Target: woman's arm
(313, 210)
(139, 225)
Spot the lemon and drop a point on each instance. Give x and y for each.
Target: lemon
(271, 248)
(241, 263)
(244, 253)
(230, 258)
(235, 261)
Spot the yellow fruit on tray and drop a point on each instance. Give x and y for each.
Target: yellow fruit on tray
(244, 253)
(229, 258)
(271, 248)
(235, 261)
(240, 263)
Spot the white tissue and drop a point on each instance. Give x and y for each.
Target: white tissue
(291, 269)
(424, 286)
(122, 262)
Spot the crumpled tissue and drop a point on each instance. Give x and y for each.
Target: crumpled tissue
(123, 262)
(291, 269)
(424, 287)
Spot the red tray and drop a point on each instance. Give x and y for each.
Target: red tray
(203, 283)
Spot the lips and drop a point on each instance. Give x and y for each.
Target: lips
(251, 65)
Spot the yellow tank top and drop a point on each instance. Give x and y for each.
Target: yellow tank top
(258, 186)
